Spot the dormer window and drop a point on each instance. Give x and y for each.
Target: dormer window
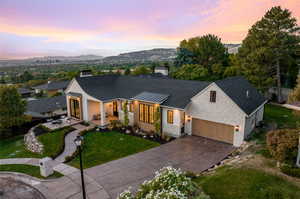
(213, 96)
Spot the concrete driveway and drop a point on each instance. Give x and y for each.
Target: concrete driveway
(190, 153)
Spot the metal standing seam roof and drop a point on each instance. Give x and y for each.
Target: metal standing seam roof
(151, 97)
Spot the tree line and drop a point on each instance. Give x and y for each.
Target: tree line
(268, 55)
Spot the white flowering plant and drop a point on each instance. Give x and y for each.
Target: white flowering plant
(168, 183)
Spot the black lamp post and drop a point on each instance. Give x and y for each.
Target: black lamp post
(78, 141)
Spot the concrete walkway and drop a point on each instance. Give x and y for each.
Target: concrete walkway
(70, 146)
(68, 186)
(289, 106)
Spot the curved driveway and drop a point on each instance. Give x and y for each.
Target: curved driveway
(190, 153)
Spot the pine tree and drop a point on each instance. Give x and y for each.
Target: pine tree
(270, 42)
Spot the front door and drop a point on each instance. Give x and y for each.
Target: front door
(75, 108)
(115, 108)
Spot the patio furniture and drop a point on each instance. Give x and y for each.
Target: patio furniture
(57, 122)
(96, 117)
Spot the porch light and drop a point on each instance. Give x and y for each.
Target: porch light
(78, 141)
(237, 128)
(188, 118)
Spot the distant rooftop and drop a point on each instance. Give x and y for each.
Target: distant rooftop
(53, 85)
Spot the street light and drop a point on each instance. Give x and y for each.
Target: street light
(78, 141)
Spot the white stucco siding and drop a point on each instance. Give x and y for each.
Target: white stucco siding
(75, 87)
(224, 110)
(175, 128)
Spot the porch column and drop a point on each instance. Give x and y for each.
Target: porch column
(102, 113)
(68, 106)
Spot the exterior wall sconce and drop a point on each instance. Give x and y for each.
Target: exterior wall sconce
(237, 128)
(189, 118)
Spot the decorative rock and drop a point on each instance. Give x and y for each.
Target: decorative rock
(128, 131)
(32, 143)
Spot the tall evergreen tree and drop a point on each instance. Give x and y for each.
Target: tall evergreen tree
(270, 42)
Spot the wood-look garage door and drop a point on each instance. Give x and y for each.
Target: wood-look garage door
(213, 130)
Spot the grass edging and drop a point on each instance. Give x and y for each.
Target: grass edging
(33, 171)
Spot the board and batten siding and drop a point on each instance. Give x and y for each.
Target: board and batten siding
(224, 110)
(253, 120)
(175, 128)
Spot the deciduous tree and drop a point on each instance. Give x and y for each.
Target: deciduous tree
(12, 109)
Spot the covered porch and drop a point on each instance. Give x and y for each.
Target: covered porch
(102, 113)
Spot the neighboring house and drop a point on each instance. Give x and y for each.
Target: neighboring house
(47, 107)
(162, 70)
(25, 92)
(225, 110)
(51, 88)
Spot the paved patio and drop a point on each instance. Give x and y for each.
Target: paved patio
(189, 153)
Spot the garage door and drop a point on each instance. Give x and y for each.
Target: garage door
(213, 130)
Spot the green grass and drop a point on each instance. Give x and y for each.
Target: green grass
(54, 141)
(104, 147)
(14, 148)
(282, 116)
(228, 183)
(27, 169)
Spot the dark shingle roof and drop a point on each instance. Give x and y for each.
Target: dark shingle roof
(179, 92)
(53, 85)
(107, 87)
(236, 88)
(151, 97)
(24, 91)
(46, 105)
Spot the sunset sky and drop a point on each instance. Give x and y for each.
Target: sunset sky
(107, 27)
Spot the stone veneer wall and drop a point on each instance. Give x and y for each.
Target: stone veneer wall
(32, 143)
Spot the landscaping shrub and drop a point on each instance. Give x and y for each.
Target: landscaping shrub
(167, 183)
(115, 125)
(283, 144)
(290, 170)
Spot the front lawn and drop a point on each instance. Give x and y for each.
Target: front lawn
(15, 148)
(100, 148)
(54, 141)
(27, 169)
(242, 183)
(282, 116)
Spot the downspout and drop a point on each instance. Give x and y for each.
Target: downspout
(161, 118)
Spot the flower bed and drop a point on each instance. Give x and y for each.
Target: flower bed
(167, 183)
(117, 125)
